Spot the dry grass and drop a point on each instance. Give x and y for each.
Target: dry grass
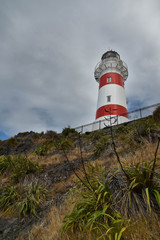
(57, 158)
(143, 230)
(60, 187)
(3, 179)
(53, 159)
(146, 153)
(50, 228)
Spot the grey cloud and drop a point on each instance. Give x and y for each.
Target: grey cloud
(48, 51)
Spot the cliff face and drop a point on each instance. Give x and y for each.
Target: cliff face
(54, 170)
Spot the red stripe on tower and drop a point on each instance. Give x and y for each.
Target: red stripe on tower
(111, 78)
(112, 109)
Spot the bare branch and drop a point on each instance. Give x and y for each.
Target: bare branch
(118, 159)
(114, 145)
(154, 163)
(65, 154)
(82, 161)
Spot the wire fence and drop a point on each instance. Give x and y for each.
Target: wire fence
(116, 120)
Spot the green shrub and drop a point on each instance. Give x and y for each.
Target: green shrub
(94, 136)
(102, 208)
(93, 211)
(122, 129)
(50, 134)
(156, 114)
(137, 196)
(69, 132)
(18, 166)
(11, 142)
(8, 197)
(33, 196)
(23, 166)
(98, 149)
(144, 129)
(36, 136)
(100, 146)
(22, 200)
(43, 149)
(5, 163)
(63, 143)
(142, 184)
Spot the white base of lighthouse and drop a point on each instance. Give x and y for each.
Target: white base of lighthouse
(108, 121)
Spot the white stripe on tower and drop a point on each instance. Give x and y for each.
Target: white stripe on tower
(111, 73)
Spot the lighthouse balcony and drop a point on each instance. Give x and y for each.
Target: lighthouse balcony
(111, 65)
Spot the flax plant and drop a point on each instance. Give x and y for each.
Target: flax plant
(23, 200)
(94, 212)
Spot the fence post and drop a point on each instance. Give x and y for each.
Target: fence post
(82, 129)
(140, 112)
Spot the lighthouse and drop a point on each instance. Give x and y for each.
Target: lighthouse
(111, 73)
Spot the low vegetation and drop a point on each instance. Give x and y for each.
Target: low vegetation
(14, 197)
(108, 210)
(18, 166)
(93, 210)
(21, 200)
(113, 174)
(11, 142)
(43, 149)
(83, 214)
(156, 114)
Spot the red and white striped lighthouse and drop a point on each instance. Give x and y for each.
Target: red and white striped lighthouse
(111, 73)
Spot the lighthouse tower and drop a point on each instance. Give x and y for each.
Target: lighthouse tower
(111, 73)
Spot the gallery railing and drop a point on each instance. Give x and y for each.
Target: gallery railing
(133, 115)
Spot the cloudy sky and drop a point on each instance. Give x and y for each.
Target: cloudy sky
(48, 52)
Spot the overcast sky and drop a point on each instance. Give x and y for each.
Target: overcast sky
(48, 52)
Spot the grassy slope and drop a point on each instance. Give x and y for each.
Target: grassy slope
(137, 230)
(135, 144)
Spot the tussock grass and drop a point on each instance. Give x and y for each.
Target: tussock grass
(50, 228)
(58, 158)
(140, 229)
(21, 200)
(17, 166)
(138, 152)
(146, 153)
(60, 188)
(143, 229)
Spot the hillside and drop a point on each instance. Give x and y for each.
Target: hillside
(38, 175)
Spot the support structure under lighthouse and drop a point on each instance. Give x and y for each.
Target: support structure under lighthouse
(111, 73)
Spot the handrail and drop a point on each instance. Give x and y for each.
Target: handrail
(140, 110)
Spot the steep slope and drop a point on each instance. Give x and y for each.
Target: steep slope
(55, 171)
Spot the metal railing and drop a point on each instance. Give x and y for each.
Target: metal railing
(133, 115)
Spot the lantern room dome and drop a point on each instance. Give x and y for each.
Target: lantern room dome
(111, 54)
